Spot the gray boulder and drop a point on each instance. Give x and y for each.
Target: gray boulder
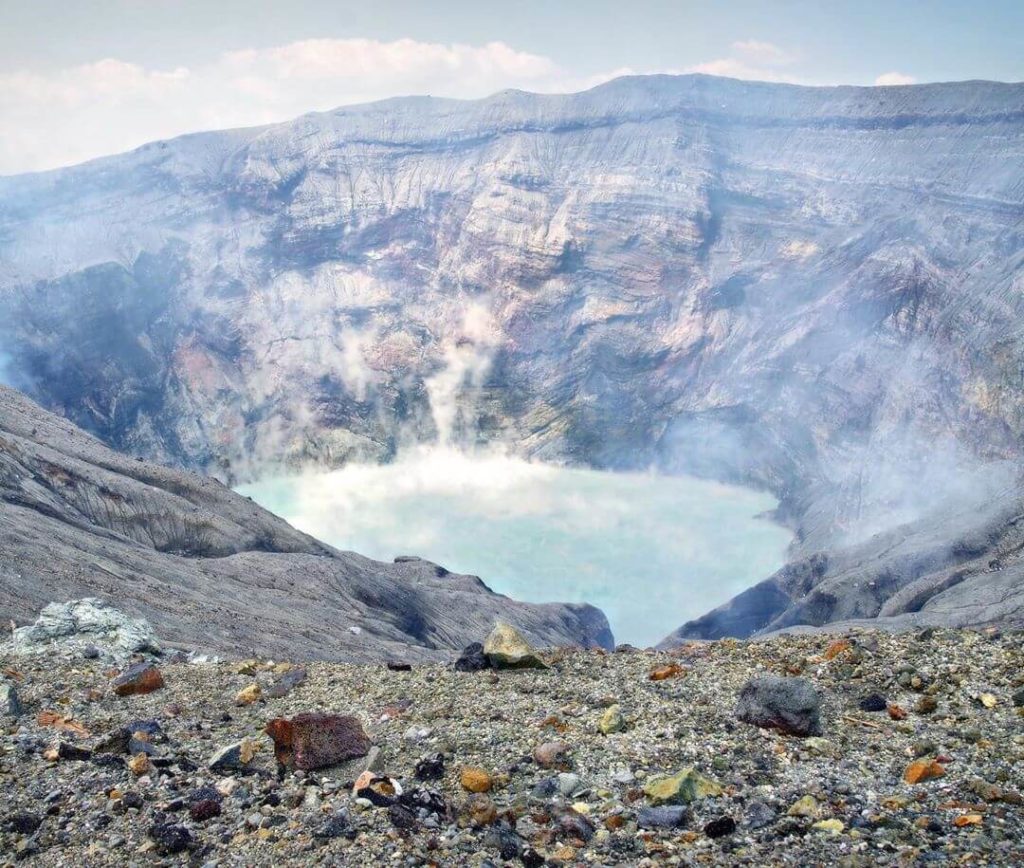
(789, 705)
(86, 626)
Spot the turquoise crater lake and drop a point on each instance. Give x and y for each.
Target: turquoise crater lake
(651, 551)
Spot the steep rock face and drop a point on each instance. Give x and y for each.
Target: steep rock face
(211, 570)
(817, 290)
(963, 568)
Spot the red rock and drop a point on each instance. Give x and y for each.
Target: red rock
(138, 679)
(314, 741)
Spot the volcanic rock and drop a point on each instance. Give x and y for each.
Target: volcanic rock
(316, 740)
(139, 678)
(790, 705)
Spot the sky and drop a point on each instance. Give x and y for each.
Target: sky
(84, 78)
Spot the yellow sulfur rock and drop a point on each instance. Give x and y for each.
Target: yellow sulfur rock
(248, 695)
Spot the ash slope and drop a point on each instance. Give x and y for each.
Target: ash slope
(817, 290)
(212, 570)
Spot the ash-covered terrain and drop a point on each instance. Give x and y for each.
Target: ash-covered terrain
(814, 290)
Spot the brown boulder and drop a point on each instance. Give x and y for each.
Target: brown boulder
(316, 740)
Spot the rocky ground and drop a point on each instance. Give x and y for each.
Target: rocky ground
(919, 760)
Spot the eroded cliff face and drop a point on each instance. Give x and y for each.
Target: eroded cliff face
(813, 289)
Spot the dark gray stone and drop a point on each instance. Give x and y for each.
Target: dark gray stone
(790, 705)
(663, 817)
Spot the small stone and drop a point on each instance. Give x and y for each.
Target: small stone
(720, 827)
(170, 838)
(758, 815)
(567, 783)
(663, 817)
(430, 767)
(234, 757)
(552, 754)
(316, 740)
(805, 806)
(685, 786)
(926, 705)
(612, 720)
(333, 827)
(1018, 698)
(284, 685)
(472, 659)
(968, 820)
(663, 673)
(829, 827)
(575, 825)
(790, 705)
(988, 700)
(896, 712)
(480, 810)
(204, 810)
(10, 702)
(873, 702)
(140, 765)
(506, 648)
(923, 770)
(248, 695)
(138, 679)
(837, 648)
(476, 780)
(23, 822)
(398, 666)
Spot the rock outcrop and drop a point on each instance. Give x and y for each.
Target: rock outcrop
(210, 570)
(90, 626)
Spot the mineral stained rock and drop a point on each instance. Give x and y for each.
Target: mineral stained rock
(318, 740)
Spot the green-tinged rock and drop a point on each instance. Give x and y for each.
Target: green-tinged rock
(685, 786)
(829, 827)
(506, 648)
(612, 720)
(806, 806)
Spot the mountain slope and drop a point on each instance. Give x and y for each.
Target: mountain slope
(212, 570)
(815, 290)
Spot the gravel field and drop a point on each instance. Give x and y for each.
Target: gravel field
(625, 758)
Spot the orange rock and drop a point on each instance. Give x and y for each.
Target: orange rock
(614, 822)
(895, 712)
(836, 648)
(476, 780)
(672, 670)
(139, 765)
(923, 770)
(967, 820)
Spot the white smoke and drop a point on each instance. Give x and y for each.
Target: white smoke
(453, 391)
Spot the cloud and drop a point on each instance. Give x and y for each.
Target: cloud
(70, 115)
(888, 79)
(751, 59)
